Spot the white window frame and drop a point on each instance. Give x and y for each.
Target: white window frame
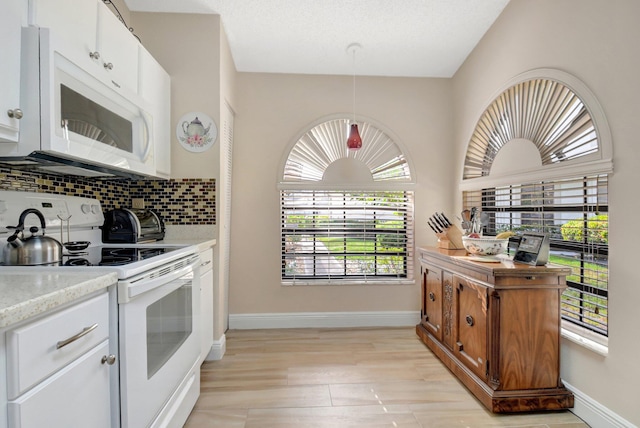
(598, 163)
(307, 168)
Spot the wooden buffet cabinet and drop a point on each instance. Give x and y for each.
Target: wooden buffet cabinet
(496, 326)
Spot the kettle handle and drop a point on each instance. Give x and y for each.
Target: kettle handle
(23, 216)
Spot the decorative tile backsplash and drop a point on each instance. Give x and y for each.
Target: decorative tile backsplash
(187, 201)
(180, 201)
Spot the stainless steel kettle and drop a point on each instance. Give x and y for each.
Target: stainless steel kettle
(35, 250)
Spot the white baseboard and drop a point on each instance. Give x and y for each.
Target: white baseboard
(218, 348)
(593, 413)
(324, 320)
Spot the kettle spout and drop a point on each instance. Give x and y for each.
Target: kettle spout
(15, 241)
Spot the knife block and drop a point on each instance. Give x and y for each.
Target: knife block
(450, 239)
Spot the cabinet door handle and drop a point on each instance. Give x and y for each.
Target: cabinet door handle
(469, 320)
(75, 337)
(108, 66)
(108, 359)
(205, 263)
(432, 297)
(15, 113)
(94, 55)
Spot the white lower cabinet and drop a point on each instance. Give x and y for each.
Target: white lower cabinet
(206, 301)
(77, 396)
(61, 369)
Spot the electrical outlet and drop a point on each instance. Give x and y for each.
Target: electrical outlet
(137, 203)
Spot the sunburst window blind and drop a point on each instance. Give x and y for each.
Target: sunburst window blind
(542, 111)
(345, 231)
(347, 235)
(324, 144)
(574, 213)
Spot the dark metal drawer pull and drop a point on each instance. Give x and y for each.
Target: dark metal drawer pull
(469, 320)
(72, 339)
(432, 297)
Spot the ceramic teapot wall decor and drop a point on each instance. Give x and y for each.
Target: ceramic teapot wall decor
(196, 132)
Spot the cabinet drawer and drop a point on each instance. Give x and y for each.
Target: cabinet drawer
(529, 280)
(206, 260)
(76, 396)
(32, 350)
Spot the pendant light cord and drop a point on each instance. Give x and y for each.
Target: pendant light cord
(354, 84)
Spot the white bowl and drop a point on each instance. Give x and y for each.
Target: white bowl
(486, 246)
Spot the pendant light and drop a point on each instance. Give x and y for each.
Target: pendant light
(354, 142)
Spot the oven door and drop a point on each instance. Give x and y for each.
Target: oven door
(159, 345)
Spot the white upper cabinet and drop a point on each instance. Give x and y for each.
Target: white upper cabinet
(91, 36)
(155, 89)
(12, 17)
(118, 49)
(74, 24)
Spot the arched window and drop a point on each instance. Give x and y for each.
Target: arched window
(539, 160)
(347, 216)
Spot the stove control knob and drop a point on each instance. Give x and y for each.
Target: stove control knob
(86, 208)
(95, 208)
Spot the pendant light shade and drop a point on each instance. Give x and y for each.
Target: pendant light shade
(354, 142)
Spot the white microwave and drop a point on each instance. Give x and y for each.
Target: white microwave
(73, 122)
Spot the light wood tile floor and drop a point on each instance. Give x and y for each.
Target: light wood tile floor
(343, 378)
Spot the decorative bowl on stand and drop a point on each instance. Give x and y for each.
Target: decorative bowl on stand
(485, 246)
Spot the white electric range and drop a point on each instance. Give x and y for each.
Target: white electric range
(158, 311)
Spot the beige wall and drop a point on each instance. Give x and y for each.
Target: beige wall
(596, 41)
(275, 109)
(188, 47)
(195, 52)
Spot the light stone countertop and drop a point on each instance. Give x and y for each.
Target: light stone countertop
(202, 244)
(27, 292)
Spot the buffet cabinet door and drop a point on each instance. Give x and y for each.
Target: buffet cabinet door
(471, 325)
(432, 300)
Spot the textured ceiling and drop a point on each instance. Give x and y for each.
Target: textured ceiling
(411, 38)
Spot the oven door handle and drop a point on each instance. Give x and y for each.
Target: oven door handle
(130, 288)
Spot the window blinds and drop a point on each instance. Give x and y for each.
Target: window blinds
(347, 236)
(574, 213)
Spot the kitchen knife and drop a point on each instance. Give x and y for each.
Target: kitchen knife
(442, 220)
(446, 219)
(434, 226)
(438, 222)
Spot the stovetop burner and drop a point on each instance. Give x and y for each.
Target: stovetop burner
(114, 256)
(77, 262)
(115, 261)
